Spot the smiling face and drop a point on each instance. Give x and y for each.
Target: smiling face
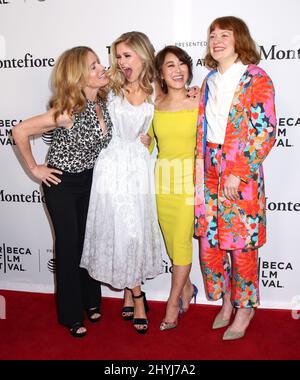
(222, 46)
(97, 75)
(129, 62)
(174, 72)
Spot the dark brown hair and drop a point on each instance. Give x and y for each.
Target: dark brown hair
(181, 55)
(245, 46)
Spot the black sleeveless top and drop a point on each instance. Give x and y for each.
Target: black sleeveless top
(76, 149)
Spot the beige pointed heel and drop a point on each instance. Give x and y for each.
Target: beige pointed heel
(168, 325)
(233, 335)
(219, 322)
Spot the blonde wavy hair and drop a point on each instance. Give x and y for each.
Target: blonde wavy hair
(142, 46)
(245, 46)
(68, 80)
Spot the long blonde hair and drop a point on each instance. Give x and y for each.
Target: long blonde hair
(141, 44)
(68, 80)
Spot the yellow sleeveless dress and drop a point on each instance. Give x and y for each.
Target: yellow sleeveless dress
(175, 134)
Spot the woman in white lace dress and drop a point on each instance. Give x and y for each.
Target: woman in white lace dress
(122, 243)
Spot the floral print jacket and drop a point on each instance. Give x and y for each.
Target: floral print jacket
(250, 135)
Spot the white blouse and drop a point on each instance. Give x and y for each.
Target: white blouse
(221, 89)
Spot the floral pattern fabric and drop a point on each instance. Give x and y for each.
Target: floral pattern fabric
(238, 275)
(250, 135)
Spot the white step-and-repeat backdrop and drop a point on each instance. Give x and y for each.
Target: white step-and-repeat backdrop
(33, 33)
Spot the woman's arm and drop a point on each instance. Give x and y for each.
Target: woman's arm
(35, 126)
(200, 220)
(262, 129)
(150, 134)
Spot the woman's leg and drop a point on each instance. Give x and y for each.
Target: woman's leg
(62, 209)
(187, 294)
(128, 305)
(64, 206)
(215, 262)
(217, 278)
(180, 276)
(216, 269)
(140, 321)
(245, 291)
(90, 288)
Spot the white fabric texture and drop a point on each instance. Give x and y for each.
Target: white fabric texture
(221, 90)
(122, 245)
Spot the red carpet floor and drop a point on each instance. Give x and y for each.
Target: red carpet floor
(31, 331)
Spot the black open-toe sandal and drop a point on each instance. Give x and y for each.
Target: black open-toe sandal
(91, 312)
(127, 313)
(141, 321)
(74, 330)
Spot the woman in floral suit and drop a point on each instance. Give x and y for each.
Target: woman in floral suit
(236, 131)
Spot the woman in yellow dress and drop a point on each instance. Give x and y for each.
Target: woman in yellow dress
(174, 129)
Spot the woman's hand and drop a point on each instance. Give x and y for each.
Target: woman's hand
(45, 174)
(231, 186)
(65, 120)
(193, 92)
(146, 140)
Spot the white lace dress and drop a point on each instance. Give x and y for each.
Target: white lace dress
(122, 242)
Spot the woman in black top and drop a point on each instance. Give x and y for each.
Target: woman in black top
(82, 127)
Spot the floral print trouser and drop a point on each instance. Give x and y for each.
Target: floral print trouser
(234, 271)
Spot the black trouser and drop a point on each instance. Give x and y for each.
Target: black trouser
(67, 204)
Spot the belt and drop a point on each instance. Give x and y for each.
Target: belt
(213, 145)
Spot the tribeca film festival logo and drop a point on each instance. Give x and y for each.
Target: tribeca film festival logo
(5, 131)
(270, 270)
(6, 137)
(11, 258)
(285, 125)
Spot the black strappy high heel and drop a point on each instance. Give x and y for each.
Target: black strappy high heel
(91, 312)
(74, 330)
(141, 321)
(127, 311)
